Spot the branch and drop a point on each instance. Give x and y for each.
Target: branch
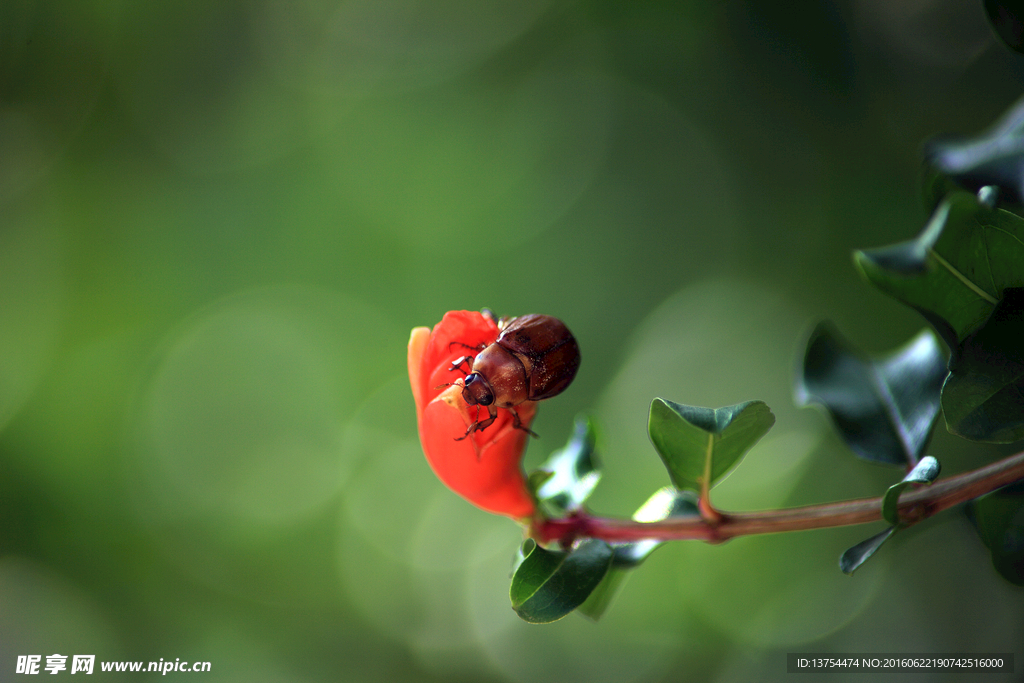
(914, 506)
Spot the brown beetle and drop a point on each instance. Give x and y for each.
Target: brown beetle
(535, 357)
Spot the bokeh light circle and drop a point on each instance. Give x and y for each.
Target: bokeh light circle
(242, 416)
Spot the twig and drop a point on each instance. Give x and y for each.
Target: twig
(914, 506)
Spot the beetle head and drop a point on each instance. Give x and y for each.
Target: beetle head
(477, 390)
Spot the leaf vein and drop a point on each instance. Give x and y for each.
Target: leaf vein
(963, 278)
(988, 259)
(1007, 233)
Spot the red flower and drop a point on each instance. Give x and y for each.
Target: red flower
(483, 468)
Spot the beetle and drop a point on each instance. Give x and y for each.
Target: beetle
(534, 358)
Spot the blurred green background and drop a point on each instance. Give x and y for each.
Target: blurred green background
(219, 222)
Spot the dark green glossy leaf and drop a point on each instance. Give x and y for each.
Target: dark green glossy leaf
(989, 196)
(858, 554)
(983, 397)
(955, 271)
(1007, 20)
(699, 445)
(601, 598)
(938, 186)
(666, 502)
(566, 479)
(999, 519)
(924, 473)
(994, 157)
(536, 478)
(549, 584)
(884, 408)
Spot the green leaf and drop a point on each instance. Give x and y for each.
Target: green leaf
(858, 554)
(666, 502)
(989, 196)
(549, 584)
(884, 408)
(536, 478)
(699, 445)
(924, 473)
(597, 602)
(994, 157)
(955, 271)
(999, 520)
(983, 397)
(566, 479)
(1007, 19)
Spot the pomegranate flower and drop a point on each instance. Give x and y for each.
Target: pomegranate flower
(485, 467)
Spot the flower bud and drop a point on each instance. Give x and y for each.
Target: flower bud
(485, 467)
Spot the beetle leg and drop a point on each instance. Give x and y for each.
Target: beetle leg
(480, 425)
(459, 361)
(478, 347)
(519, 425)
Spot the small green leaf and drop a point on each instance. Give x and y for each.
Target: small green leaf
(884, 408)
(566, 479)
(858, 554)
(983, 397)
(999, 520)
(549, 584)
(536, 478)
(666, 502)
(924, 473)
(994, 157)
(598, 602)
(1007, 19)
(989, 196)
(699, 445)
(955, 271)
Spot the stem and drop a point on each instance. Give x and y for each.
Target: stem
(914, 506)
(707, 511)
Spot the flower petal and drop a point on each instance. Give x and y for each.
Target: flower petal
(484, 468)
(417, 345)
(457, 335)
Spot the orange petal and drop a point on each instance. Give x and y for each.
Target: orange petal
(417, 345)
(458, 333)
(487, 474)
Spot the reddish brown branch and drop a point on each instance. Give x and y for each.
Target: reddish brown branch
(914, 506)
